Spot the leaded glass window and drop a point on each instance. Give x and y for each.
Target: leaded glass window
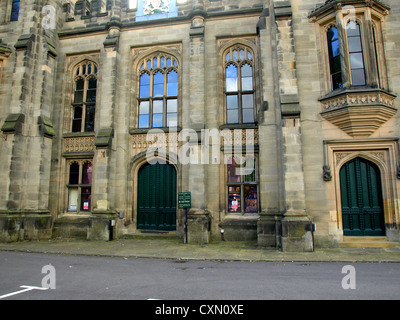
(239, 86)
(158, 92)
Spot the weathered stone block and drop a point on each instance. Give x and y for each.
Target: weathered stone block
(198, 228)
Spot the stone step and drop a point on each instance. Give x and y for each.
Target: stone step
(150, 234)
(367, 242)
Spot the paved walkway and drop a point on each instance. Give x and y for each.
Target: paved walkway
(175, 249)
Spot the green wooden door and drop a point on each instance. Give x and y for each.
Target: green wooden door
(157, 197)
(361, 192)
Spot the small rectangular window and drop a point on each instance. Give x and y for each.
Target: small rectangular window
(242, 185)
(15, 10)
(80, 185)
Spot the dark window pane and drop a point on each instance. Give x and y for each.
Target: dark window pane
(89, 119)
(157, 120)
(158, 111)
(233, 116)
(354, 44)
(235, 55)
(334, 58)
(232, 174)
(337, 81)
(250, 198)
(172, 84)
(144, 90)
(172, 113)
(87, 173)
(15, 10)
(85, 199)
(74, 173)
(248, 116)
(144, 121)
(247, 101)
(91, 92)
(356, 61)
(144, 107)
(250, 170)
(353, 29)
(79, 85)
(358, 77)
(232, 102)
(158, 85)
(231, 78)
(172, 119)
(234, 199)
(247, 71)
(242, 54)
(172, 105)
(158, 106)
(77, 119)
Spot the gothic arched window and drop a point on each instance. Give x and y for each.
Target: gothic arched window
(239, 85)
(158, 92)
(84, 102)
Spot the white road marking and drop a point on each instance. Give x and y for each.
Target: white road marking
(26, 289)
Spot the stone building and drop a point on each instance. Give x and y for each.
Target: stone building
(279, 117)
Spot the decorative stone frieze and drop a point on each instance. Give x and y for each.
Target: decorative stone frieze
(79, 144)
(358, 113)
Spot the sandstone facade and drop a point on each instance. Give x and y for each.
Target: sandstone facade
(92, 91)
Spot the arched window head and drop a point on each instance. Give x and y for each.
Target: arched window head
(84, 102)
(239, 85)
(158, 91)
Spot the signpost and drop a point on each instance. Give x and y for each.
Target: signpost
(185, 202)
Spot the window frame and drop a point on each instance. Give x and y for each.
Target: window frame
(242, 184)
(239, 63)
(374, 63)
(153, 64)
(85, 71)
(79, 187)
(15, 10)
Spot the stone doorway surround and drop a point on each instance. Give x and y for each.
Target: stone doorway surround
(382, 152)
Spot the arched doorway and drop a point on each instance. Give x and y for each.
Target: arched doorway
(156, 197)
(361, 197)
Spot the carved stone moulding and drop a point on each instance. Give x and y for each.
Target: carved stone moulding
(359, 113)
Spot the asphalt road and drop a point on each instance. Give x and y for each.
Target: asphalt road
(102, 278)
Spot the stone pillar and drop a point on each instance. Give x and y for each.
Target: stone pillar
(285, 225)
(195, 170)
(28, 126)
(270, 139)
(296, 227)
(99, 223)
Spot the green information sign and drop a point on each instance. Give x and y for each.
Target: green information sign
(184, 200)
